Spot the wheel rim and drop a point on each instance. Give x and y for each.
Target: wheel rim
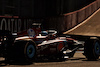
(30, 51)
(97, 48)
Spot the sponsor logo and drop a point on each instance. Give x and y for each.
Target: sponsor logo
(15, 24)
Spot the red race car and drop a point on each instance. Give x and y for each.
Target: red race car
(34, 43)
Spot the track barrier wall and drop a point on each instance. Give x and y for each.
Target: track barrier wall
(67, 21)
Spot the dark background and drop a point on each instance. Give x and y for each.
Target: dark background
(40, 8)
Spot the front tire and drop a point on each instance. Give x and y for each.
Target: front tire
(92, 49)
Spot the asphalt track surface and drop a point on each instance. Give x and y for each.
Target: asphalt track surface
(78, 60)
(89, 27)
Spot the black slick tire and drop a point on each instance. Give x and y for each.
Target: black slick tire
(25, 51)
(92, 49)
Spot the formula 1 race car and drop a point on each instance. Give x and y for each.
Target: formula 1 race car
(45, 44)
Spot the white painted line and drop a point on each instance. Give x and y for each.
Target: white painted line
(82, 22)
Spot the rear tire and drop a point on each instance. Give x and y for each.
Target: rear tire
(30, 51)
(25, 51)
